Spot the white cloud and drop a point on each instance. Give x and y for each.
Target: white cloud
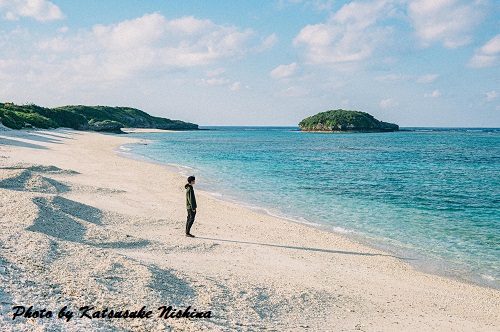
(488, 55)
(393, 77)
(350, 35)
(428, 78)
(187, 25)
(388, 103)
(447, 21)
(323, 4)
(115, 63)
(319, 5)
(284, 71)
(492, 47)
(215, 72)
(269, 42)
(151, 42)
(40, 10)
(491, 95)
(433, 94)
(63, 29)
(235, 86)
(214, 81)
(294, 91)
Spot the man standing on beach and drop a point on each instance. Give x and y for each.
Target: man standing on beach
(190, 205)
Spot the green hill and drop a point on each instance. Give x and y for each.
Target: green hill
(342, 120)
(99, 118)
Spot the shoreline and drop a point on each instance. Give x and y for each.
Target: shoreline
(122, 244)
(417, 260)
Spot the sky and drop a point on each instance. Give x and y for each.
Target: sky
(425, 63)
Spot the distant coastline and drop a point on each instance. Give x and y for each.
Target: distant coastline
(297, 128)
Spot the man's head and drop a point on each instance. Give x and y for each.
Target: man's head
(191, 179)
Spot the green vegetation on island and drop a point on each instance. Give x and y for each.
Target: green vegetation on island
(342, 120)
(98, 118)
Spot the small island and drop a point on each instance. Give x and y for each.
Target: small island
(79, 117)
(343, 120)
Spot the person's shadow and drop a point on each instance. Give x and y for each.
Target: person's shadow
(304, 248)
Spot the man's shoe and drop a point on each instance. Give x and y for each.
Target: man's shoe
(190, 235)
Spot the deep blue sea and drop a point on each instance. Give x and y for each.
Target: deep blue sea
(430, 196)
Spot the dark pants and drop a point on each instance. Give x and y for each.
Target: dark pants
(190, 221)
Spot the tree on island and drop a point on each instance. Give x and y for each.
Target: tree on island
(343, 120)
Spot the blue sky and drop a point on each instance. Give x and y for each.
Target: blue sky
(414, 63)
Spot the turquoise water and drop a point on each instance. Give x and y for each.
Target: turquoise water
(432, 196)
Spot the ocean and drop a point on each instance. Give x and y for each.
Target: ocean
(430, 196)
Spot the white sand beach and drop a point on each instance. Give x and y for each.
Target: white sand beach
(82, 226)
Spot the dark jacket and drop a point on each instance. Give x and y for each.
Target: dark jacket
(190, 199)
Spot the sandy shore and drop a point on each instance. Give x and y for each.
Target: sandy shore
(82, 226)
